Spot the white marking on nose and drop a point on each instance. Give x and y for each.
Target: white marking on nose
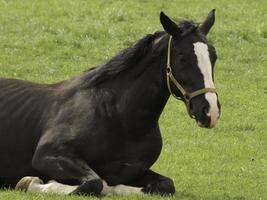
(204, 64)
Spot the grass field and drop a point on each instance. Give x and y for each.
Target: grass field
(52, 40)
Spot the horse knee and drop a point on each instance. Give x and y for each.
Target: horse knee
(93, 187)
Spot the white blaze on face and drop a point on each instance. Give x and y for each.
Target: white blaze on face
(204, 64)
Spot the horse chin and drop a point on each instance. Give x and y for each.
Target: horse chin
(200, 124)
(205, 126)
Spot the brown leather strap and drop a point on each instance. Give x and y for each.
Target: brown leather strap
(201, 91)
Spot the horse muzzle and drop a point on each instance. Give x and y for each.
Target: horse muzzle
(208, 115)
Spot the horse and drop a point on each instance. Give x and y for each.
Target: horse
(98, 133)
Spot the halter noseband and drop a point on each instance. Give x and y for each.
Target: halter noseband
(187, 96)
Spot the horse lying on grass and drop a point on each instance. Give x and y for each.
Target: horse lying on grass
(98, 132)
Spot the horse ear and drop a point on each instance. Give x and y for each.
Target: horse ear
(169, 26)
(208, 23)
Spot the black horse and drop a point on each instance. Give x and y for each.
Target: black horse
(100, 129)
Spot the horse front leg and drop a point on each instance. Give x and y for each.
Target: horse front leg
(154, 183)
(56, 158)
(36, 185)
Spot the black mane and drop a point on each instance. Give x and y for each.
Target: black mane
(124, 60)
(130, 56)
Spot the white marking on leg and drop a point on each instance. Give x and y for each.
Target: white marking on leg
(122, 190)
(57, 188)
(204, 64)
(36, 185)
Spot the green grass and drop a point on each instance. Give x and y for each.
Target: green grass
(52, 40)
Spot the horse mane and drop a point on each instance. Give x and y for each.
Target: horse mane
(130, 56)
(126, 59)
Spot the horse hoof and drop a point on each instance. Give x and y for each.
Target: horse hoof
(26, 181)
(164, 187)
(93, 187)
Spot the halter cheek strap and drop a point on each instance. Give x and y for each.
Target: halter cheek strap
(187, 96)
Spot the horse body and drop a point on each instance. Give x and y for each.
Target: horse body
(100, 129)
(102, 116)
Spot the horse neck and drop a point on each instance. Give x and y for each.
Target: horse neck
(142, 91)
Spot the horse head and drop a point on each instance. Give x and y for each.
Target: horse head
(190, 68)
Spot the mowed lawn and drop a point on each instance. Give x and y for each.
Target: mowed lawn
(51, 40)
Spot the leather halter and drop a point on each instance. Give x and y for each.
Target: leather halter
(187, 96)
